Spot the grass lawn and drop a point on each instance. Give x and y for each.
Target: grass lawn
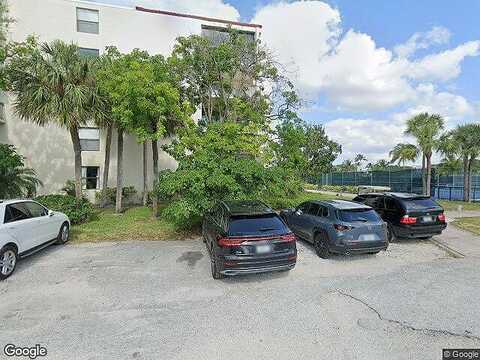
(134, 224)
(453, 205)
(471, 224)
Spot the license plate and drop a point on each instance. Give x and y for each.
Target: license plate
(263, 249)
(427, 218)
(367, 237)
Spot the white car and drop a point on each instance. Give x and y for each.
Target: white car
(25, 228)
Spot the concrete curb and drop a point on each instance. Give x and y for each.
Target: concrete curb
(452, 252)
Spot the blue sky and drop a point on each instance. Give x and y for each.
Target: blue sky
(366, 66)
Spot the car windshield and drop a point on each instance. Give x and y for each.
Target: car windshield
(356, 215)
(420, 203)
(256, 225)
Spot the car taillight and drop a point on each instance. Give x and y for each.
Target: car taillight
(441, 217)
(407, 220)
(229, 242)
(288, 238)
(339, 227)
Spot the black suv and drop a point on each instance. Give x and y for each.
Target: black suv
(407, 215)
(244, 237)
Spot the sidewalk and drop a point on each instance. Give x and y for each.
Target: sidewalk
(460, 241)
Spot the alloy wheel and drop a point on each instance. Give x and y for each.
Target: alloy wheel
(7, 262)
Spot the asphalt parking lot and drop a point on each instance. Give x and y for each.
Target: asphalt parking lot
(157, 300)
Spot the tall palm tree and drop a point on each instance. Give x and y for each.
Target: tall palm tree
(427, 130)
(463, 143)
(53, 83)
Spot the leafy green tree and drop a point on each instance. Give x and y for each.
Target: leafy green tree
(352, 165)
(320, 151)
(221, 161)
(52, 83)
(5, 21)
(463, 143)
(235, 79)
(16, 180)
(427, 130)
(304, 148)
(144, 100)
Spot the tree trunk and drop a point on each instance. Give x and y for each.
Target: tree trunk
(118, 202)
(429, 174)
(155, 178)
(470, 163)
(424, 178)
(106, 164)
(145, 174)
(78, 161)
(466, 186)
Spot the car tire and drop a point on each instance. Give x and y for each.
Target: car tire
(63, 234)
(390, 234)
(320, 244)
(216, 274)
(8, 261)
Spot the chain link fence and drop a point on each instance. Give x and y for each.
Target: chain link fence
(409, 180)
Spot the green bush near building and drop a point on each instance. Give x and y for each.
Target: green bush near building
(78, 211)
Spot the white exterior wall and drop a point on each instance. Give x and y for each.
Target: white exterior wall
(48, 149)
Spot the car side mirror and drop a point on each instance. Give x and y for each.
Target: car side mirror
(50, 213)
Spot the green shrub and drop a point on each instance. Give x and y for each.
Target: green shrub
(69, 188)
(111, 194)
(78, 211)
(223, 162)
(16, 180)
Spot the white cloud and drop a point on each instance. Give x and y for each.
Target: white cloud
(444, 65)
(357, 75)
(374, 138)
(350, 69)
(438, 35)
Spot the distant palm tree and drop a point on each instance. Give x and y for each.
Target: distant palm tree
(463, 143)
(426, 129)
(403, 153)
(16, 180)
(52, 82)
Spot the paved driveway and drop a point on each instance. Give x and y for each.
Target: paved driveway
(157, 300)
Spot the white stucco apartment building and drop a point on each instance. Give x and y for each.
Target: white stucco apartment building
(93, 26)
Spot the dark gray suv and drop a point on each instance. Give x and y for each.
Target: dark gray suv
(338, 226)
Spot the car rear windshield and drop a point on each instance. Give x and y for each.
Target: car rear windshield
(355, 215)
(263, 225)
(419, 203)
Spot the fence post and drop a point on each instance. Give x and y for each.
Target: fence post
(450, 194)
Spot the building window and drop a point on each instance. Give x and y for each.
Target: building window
(87, 21)
(89, 139)
(87, 52)
(90, 177)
